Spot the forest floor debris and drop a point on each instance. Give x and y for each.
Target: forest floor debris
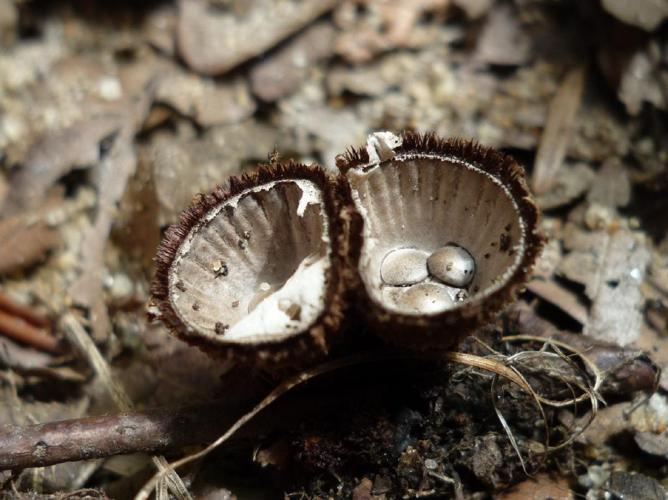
(112, 117)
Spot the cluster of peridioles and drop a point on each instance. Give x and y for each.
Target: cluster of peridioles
(415, 281)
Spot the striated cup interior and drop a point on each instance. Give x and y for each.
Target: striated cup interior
(425, 202)
(254, 269)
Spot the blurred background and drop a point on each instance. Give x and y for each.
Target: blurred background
(113, 115)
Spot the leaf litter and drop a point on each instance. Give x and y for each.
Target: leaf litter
(109, 128)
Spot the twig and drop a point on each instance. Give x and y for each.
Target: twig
(18, 329)
(23, 312)
(152, 430)
(105, 436)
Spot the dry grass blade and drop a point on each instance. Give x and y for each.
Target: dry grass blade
(547, 357)
(589, 392)
(490, 365)
(557, 133)
(579, 378)
(597, 374)
(506, 427)
(79, 338)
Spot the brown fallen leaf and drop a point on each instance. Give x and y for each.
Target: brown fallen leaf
(213, 41)
(19, 357)
(654, 444)
(87, 290)
(611, 187)
(572, 182)
(55, 155)
(616, 313)
(652, 341)
(160, 28)
(207, 101)
(24, 244)
(384, 25)
(18, 329)
(4, 189)
(332, 129)
(611, 262)
(9, 16)
(363, 490)
(111, 177)
(644, 80)
(474, 9)
(183, 166)
(609, 421)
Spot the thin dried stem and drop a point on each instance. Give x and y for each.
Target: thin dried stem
(78, 336)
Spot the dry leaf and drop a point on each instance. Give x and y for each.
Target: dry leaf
(56, 154)
(208, 101)
(557, 132)
(645, 14)
(213, 41)
(24, 244)
(572, 182)
(185, 166)
(540, 487)
(644, 80)
(384, 25)
(612, 186)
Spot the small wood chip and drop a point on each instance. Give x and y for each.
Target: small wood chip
(557, 133)
(561, 297)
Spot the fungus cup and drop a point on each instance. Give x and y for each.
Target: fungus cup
(429, 238)
(466, 209)
(254, 270)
